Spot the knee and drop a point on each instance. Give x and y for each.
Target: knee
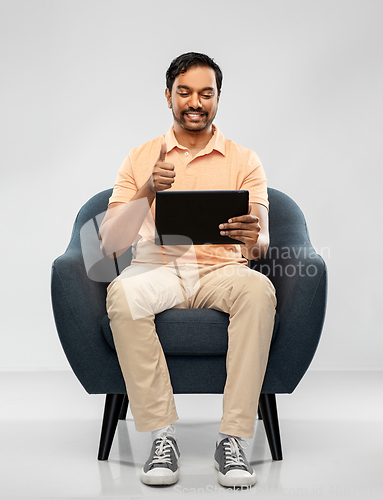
(255, 286)
(117, 301)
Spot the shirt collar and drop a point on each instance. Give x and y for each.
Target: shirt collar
(217, 142)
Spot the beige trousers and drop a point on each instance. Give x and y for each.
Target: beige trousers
(143, 290)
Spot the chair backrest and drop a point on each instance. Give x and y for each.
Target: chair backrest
(287, 222)
(85, 239)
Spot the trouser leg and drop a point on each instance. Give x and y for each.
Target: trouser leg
(133, 299)
(249, 298)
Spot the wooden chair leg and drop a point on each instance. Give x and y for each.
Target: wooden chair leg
(268, 406)
(113, 404)
(124, 408)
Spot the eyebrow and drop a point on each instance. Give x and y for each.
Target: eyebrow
(202, 90)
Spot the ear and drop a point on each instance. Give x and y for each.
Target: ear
(168, 98)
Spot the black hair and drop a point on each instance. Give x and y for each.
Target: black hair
(185, 61)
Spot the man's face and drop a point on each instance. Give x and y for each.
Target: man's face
(194, 99)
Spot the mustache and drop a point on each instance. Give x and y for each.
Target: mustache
(194, 110)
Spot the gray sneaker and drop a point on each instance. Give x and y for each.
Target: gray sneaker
(232, 464)
(162, 465)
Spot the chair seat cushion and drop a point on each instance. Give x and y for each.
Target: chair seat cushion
(189, 332)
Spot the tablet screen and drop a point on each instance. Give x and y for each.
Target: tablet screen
(196, 215)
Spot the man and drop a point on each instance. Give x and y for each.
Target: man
(192, 155)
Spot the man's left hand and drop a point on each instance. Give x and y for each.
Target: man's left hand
(244, 228)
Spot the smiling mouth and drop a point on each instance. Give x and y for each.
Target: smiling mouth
(194, 116)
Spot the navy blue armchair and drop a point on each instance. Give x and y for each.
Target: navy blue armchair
(194, 340)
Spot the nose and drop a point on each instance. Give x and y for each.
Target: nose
(195, 101)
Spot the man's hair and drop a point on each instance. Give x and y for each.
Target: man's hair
(185, 61)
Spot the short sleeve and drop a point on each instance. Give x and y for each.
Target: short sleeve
(255, 181)
(125, 186)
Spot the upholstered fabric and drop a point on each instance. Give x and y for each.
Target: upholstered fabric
(194, 341)
(183, 332)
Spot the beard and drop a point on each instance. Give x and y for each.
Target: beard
(197, 127)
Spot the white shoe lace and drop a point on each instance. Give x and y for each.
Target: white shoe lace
(233, 448)
(162, 451)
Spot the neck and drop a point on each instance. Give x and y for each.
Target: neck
(194, 141)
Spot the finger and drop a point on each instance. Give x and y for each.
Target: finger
(240, 230)
(246, 232)
(239, 237)
(244, 219)
(163, 150)
(249, 212)
(161, 185)
(246, 239)
(164, 176)
(166, 166)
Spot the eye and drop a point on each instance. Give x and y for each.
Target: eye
(207, 96)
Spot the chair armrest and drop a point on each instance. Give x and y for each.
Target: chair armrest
(78, 307)
(300, 280)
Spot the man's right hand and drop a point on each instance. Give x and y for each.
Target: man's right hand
(114, 235)
(163, 173)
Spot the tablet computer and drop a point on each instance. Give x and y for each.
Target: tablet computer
(194, 216)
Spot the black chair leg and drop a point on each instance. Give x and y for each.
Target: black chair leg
(259, 413)
(113, 404)
(124, 408)
(268, 406)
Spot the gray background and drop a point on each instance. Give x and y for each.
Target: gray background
(83, 82)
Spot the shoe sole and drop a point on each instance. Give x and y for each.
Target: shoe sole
(157, 477)
(231, 481)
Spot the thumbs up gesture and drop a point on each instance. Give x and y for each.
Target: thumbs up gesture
(163, 173)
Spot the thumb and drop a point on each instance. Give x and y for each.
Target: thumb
(163, 150)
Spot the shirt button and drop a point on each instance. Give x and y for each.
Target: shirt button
(189, 165)
(186, 153)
